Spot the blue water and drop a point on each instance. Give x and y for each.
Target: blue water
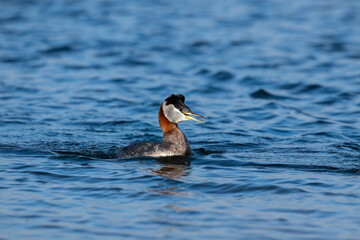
(278, 156)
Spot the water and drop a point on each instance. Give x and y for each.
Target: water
(279, 154)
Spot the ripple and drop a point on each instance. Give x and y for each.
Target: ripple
(240, 42)
(51, 175)
(316, 88)
(82, 66)
(228, 188)
(106, 123)
(59, 49)
(222, 76)
(290, 86)
(326, 135)
(12, 59)
(330, 46)
(349, 146)
(251, 81)
(263, 94)
(135, 62)
(200, 43)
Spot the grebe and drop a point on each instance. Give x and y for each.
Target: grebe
(174, 143)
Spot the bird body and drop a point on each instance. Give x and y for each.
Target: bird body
(174, 142)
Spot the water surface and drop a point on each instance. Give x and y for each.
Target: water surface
(279, 154)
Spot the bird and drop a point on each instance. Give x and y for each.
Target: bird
(174, 142)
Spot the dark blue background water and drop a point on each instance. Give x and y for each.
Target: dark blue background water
(279, 155)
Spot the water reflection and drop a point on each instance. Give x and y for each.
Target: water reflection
(172, 171)
(168, 191)
(173, 167)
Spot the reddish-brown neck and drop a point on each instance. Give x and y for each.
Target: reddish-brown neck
(165, 124)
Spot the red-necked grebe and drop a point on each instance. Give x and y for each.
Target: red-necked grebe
(174, 143)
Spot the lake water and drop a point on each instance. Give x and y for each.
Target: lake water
(278, 156)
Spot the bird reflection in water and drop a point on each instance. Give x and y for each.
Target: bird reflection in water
(173, 167)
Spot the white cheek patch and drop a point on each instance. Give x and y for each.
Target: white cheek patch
(173, 114)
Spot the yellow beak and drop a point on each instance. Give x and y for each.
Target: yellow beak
(189, 116)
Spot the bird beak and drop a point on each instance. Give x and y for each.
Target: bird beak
(189, 115)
